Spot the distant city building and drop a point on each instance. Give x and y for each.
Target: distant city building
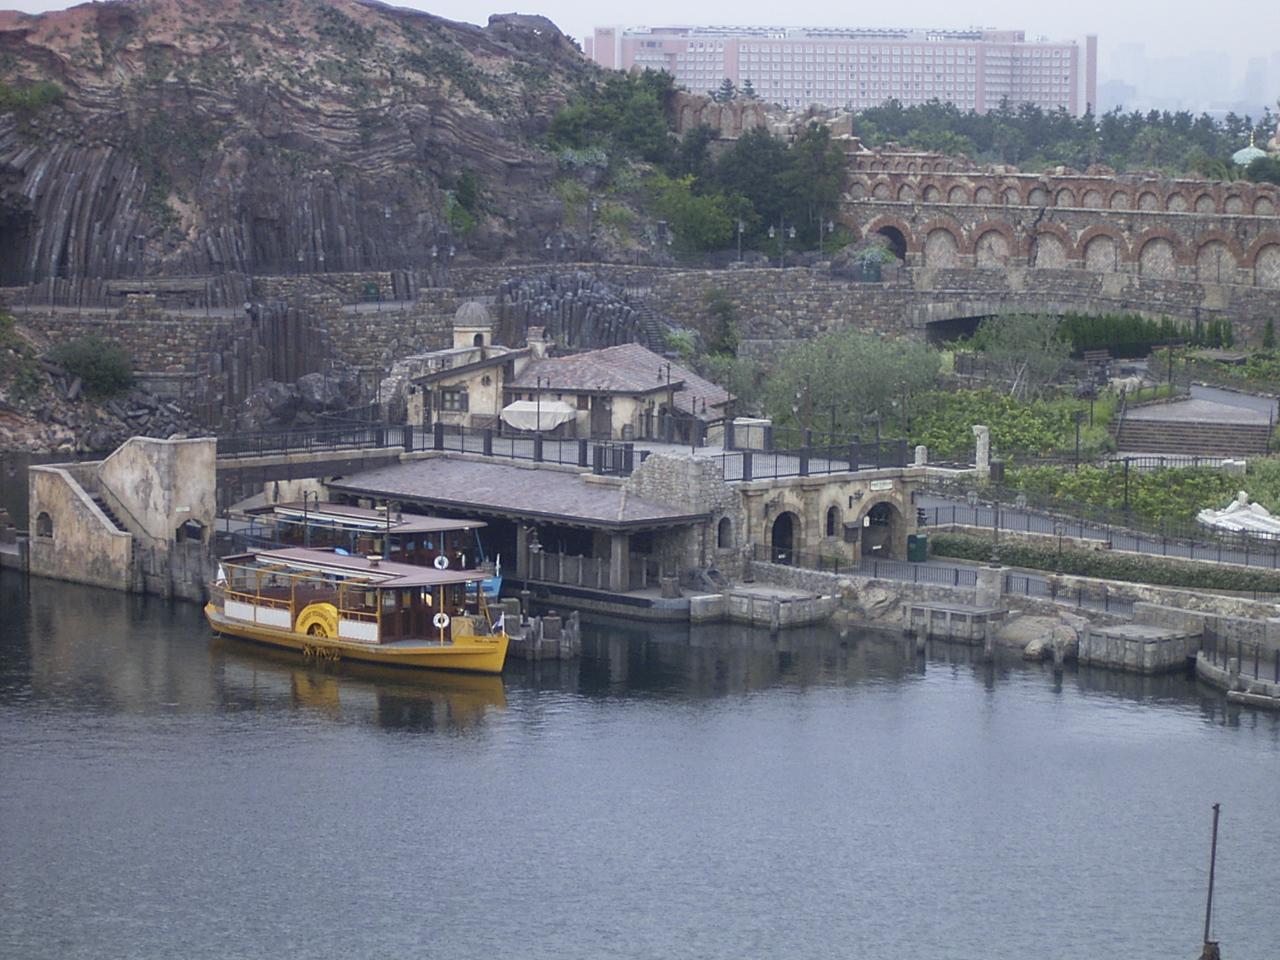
(854, 69)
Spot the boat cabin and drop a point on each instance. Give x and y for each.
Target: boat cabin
(324, 594)
(396, 536)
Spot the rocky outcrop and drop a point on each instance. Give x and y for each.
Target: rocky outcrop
(198, 136)
(579, 311)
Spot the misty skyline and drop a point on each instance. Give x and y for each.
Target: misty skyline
(1211, 43)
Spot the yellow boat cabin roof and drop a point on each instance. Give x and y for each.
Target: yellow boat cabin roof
(372, 570)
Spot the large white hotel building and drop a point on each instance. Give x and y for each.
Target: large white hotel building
(853, 69)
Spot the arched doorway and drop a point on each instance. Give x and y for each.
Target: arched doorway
(897, 242)
(724, 534)
(783, 541)
(880, 528)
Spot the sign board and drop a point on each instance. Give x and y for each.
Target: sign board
(879, 485)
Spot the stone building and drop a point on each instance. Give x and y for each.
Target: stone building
(462, 385)
(140, 521)
(626, 392)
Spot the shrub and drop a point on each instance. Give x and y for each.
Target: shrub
(1102, 564)
(103, 367)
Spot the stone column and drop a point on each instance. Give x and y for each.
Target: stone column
(922, 456)
(982, 452)
(522, 551)
(620, 562)
(990, 586)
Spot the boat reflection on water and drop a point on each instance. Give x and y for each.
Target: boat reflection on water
(392, 697)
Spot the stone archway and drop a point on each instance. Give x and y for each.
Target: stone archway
(897, 242)
(882, 529)
(782, 538)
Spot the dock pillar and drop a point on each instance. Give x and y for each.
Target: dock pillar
(620, 562)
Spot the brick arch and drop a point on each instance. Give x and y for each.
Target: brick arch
(984, 194)
(879, 223)
(1235, 198)
(1058, 232)
(876, 184)
(1148, 198)
(1102, 230)
(1011, 188)
(1231, 243)
(1171, 201)
(1064, 197)
(1016, 247)
(958, 193)
(935, 227)
(1043, 188)
(911, 167)
(1092, 198)
(1264, 205)
(1119, 195)
(1250, 257)
(1158, 233)
(906, 192)
(1201, 207)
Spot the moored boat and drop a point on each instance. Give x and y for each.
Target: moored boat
(335, 606)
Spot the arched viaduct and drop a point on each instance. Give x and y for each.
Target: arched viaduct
(1093, 236)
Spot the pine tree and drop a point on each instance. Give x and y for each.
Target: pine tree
(726, 92)
(748, 90)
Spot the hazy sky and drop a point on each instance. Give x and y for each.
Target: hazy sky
(1241, 28)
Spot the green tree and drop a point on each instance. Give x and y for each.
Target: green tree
(749, 90)
(1264, 170)
(1024, 352)
(855, 374)
(814, 178)
(726, 92)
(697, 222)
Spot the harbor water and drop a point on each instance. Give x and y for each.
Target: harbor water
(709, 793)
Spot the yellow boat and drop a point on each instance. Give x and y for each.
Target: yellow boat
(335, 606)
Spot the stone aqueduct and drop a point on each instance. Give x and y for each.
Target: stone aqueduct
(939, 213)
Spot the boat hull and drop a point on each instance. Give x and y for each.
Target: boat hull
(482, 655)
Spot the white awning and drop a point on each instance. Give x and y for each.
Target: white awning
(1241, 516)
(525, 414)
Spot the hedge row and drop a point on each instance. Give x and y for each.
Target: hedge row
(1105, 565)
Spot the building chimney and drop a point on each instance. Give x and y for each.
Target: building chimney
(374, 559)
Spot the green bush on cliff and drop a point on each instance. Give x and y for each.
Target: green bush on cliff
(29, 100)
(1105, 565)
(103, 367)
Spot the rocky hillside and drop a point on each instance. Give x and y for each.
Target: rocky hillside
(199, 135)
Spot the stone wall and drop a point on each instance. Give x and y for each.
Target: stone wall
(71, 538)
(695, 487)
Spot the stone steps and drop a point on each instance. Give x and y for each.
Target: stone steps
(110, 514)
(1193, 438)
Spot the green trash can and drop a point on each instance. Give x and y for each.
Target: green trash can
(917, 547)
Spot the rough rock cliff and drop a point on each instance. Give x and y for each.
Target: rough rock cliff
(254, 135)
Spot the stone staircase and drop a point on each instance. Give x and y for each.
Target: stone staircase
(1202, 438)
(110, 514)
(650, 330)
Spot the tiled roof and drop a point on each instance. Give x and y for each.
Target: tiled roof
(626, 368)
(494, 488)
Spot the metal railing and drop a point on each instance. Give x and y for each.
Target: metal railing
(1255, 661)
(1002, 508)
(946, 575)
(300, 440)
(1094, 597)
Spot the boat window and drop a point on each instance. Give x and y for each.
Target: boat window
(388, 599)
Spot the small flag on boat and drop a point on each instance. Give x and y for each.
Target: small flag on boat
(499, 625)
(222, 575)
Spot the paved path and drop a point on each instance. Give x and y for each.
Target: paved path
(1199, 410)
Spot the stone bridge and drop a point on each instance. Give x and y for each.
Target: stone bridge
(1218, 244)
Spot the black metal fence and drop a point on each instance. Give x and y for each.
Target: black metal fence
(946, 575)
(1255, 661)
(345, 436)
(1018, 512)
(1093, 597)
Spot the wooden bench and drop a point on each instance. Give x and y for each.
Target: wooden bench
(1093, 357)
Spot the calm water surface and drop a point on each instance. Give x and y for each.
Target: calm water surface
(674, 794)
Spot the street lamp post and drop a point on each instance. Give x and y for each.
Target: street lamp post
(306, 525)
(782, 234)
(741, 225)
(1078, 417)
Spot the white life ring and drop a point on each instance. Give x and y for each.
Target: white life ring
(441, 620)
(441, 562)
